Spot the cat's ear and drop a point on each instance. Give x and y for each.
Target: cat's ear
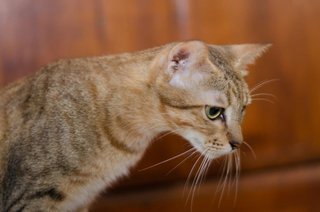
(184, 61)
(246, 54)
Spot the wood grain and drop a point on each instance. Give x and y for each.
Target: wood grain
(33, 33)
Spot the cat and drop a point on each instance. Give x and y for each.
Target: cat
(74, 127)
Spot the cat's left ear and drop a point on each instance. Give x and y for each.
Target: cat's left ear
(184, 63)
(246, 54)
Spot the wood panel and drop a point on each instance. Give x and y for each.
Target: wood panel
(294, 189)
(33, 33)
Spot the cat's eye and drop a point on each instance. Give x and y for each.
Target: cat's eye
(214, 112)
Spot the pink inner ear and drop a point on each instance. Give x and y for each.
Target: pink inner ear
(181, 55)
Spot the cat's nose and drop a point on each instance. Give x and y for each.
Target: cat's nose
(234, 144)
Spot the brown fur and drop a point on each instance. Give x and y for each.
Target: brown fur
(75, 126)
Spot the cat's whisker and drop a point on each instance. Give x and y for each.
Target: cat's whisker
(221, 175)
(193, 167)
(189, 177)
(234, 169)
(167, 160)
(202, 172)
(259, 85)
(237, 174)
(244, 153)
(207, 165)
(197, 177)
(263, 99)
(226, 181)
(199, 181)
(251, 149)
(194, 183)
(238, 167)
(166, 134)
(194, 151)
(200, 176)
(264, 94)
(206, 169)
(163, 135)
(190, 172)
(221, 180)
(230, 167)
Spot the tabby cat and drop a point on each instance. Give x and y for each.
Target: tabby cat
(74, 127)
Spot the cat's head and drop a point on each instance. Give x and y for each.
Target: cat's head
(203, 93)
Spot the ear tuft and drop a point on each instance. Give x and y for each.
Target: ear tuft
(180, 58)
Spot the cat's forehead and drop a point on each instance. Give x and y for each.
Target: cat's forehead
(233, 96)
(214, 98)
(220, 58)
(229, 82)
(233, 93)
(219, 72)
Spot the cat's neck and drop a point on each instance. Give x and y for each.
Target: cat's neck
(132, 105)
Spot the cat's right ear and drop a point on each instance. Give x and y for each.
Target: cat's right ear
(183, 60)
(245, 54)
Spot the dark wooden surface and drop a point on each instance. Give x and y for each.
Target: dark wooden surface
(294, 189)
(283, 135)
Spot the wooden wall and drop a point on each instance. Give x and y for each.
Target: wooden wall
(285, 136)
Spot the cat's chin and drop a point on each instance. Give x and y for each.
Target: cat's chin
(196, 140)
(216, 154)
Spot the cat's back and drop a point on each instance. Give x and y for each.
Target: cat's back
(61, 77)
(11, 98)
(67, 85)
(57, 91)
